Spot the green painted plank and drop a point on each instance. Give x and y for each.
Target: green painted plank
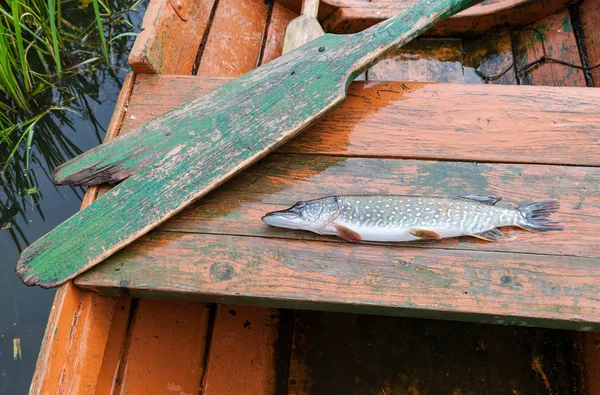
(184, 154)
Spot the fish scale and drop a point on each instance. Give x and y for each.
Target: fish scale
(405, 218)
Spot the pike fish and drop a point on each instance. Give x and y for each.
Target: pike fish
(407, 218)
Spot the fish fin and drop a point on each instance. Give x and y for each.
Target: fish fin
(491, 200)
(491, 235)
(536, 216)
(347, 234)
(425, 234)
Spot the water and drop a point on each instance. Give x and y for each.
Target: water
(24, 218)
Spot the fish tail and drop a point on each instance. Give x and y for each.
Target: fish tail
(535, 216)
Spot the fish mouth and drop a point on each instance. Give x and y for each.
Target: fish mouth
(283, 219)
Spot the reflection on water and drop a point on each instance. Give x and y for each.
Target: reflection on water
(30, 203)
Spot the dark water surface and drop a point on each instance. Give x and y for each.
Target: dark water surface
(24, 218)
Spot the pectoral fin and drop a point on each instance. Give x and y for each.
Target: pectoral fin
(347, 234)
(425, 234)
(491, 235)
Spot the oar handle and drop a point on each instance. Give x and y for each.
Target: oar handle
(374, 43)
(310, 8)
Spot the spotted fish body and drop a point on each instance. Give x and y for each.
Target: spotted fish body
(407, 218)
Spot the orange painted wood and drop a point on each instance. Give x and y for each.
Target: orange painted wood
(589, 11)
(165, 349)
(280, 17)
(78, 329)
(555, 34)
(243, 351)
(115, 346)
(242, 357)
(501, 123)
(489, 287)
(354, 16)
(159, 48)
(235, 38)
(281, 181)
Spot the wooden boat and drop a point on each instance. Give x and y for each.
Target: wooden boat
(283, 308)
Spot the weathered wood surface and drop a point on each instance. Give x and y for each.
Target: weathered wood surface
(235, 38)
(304, 28)
(492, 287)
(249, 351)
(365, 354)
(481, 123)
(283, 180)
(184, 154)
(159, 48)
(589, 12)
(491, 17)
(170, 364)
(80, 327)
(552, 37)
(280, 17)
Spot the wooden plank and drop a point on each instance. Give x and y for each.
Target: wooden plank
(281, 181)
(229, 128)
(490, 287)
(235, 38)
(304, 28)
(552, 37)
(159, 48)
(487, 18)
(280, 17)
(248, 350)
(589, 12)
(181, 361)
(492, 56)
(115, 346)
(59, 347)
(423, 60)
(391, 355)
(502, 123)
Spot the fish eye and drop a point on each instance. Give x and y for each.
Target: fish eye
(300, 204)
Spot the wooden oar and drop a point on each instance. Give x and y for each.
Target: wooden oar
(180, 156)
(303, 29)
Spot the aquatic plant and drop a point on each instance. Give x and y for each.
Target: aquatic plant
(54, 55)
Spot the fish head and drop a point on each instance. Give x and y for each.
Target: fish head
(311, 215)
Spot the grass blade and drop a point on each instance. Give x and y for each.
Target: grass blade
(101, 30)
(54, 33)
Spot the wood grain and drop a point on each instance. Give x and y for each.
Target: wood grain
(173, 330)
(552, 37)
(245, 351)
(281, 181)
(492, 287)
(235, 38)
(74, 311)
(304, 28)
(240, 121)
(280, 17)
(589, 12)
(501, 123)
(159, 47)
(493, 17)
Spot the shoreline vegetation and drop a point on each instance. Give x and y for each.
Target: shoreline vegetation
(54, 55)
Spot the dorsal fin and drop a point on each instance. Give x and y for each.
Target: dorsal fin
(491, 200)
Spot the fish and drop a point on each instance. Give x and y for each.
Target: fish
(397, 218)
